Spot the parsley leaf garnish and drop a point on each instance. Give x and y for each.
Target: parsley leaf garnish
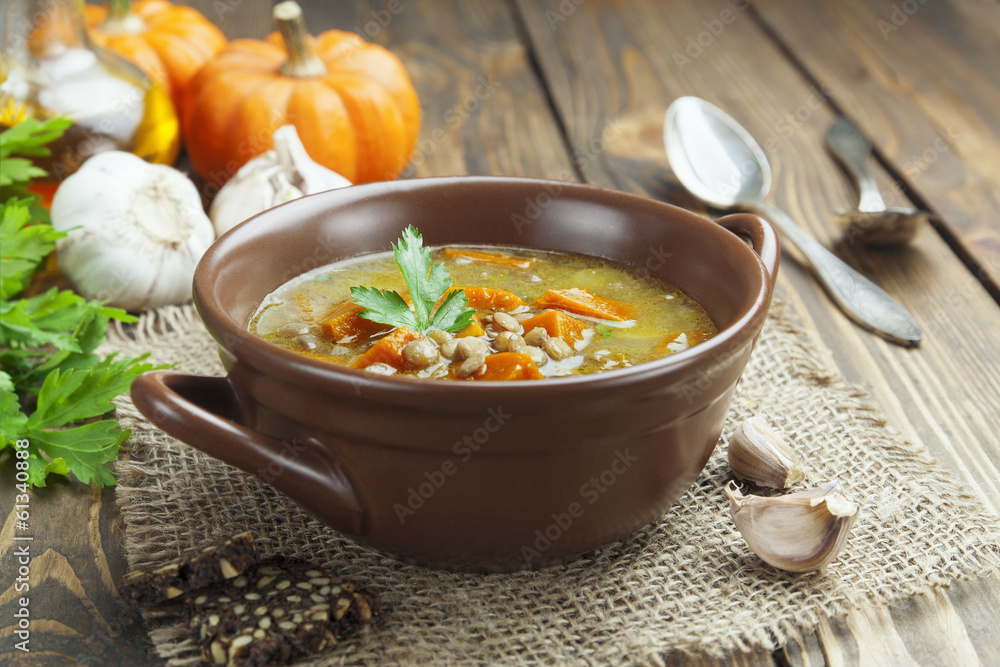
(605, 330)
(426, 283)
(53, 386)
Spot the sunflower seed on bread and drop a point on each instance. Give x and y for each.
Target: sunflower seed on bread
(277, 611)
(191, 570)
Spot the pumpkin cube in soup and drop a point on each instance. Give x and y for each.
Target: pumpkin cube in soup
(345, 322)
(508, 366)
(474, 329)
(388, 350)
(579, 301)
(487, 298)
(500, 259)
(558, 325)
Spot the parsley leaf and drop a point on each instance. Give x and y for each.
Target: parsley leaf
(28, 138)
(384, 306)
(426, 283)
(52, 384)
(24, 247)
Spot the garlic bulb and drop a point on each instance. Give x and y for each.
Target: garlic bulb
(273, 178)
(757, 454)
(796, 532)
(135, 231)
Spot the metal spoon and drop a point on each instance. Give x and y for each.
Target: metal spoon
(872, 223)
(721, 164)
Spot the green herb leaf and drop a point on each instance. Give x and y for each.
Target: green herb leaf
(452, 315)
(82, 450)
(605, 330)
(32, 136)
(47, 341)
(78, 394)
(12, 420)
(426, 283)
(383, 306)
(24, 246)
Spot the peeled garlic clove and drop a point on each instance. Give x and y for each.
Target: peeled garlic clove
(757, 454)
(796, 532)
(302, 171)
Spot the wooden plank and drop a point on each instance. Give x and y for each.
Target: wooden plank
(807, 652)
(921, 79)
(74, 611)
(471, 71)
(641, 56)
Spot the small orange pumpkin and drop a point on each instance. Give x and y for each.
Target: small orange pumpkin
(351, 102)
(169, 42)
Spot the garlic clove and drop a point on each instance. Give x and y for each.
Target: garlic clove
(301, 170)
(283, 190)
(757, 454)
(273, 177)
(245, 195)
(797, 532)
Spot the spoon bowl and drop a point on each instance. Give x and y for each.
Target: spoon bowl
(714, 158)
(719, 162)
(872, 222)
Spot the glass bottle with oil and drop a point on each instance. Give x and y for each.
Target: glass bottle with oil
(49, 67)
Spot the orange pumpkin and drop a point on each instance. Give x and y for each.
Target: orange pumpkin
(169, 42)
(351, 102)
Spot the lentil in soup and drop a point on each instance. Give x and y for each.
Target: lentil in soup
(538, 314)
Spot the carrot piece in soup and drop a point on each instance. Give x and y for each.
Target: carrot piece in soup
(488, 257)
(305, 305)
(388, 350)
(507, 366)
(558, 325)
(486, 298)
(579, 301)
(345, 321)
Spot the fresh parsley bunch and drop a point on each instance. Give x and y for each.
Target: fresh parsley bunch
(426, 282)
(52, 385)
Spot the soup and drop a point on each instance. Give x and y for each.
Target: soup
(538, 314)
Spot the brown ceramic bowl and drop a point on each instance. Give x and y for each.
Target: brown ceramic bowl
(471, 475)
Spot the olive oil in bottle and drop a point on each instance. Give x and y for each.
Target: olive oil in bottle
(49, 67)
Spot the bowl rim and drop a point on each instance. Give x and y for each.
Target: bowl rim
(328, 377)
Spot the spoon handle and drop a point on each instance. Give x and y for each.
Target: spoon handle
(866, 303)
(852, 148)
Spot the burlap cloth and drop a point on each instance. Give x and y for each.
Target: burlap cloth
(686, 582)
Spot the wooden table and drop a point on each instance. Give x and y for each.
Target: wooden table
(576, 90)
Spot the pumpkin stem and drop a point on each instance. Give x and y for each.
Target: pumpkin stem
(119, 9)
(302, 63)
(121, 20)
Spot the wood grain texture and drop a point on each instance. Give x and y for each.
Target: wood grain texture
(74, 609)
(921, 79)
(484, 110)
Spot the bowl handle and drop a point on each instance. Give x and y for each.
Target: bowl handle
(761, 236)
(205, 413)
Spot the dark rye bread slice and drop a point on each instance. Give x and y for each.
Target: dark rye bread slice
(274, 613)
(190, 571)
